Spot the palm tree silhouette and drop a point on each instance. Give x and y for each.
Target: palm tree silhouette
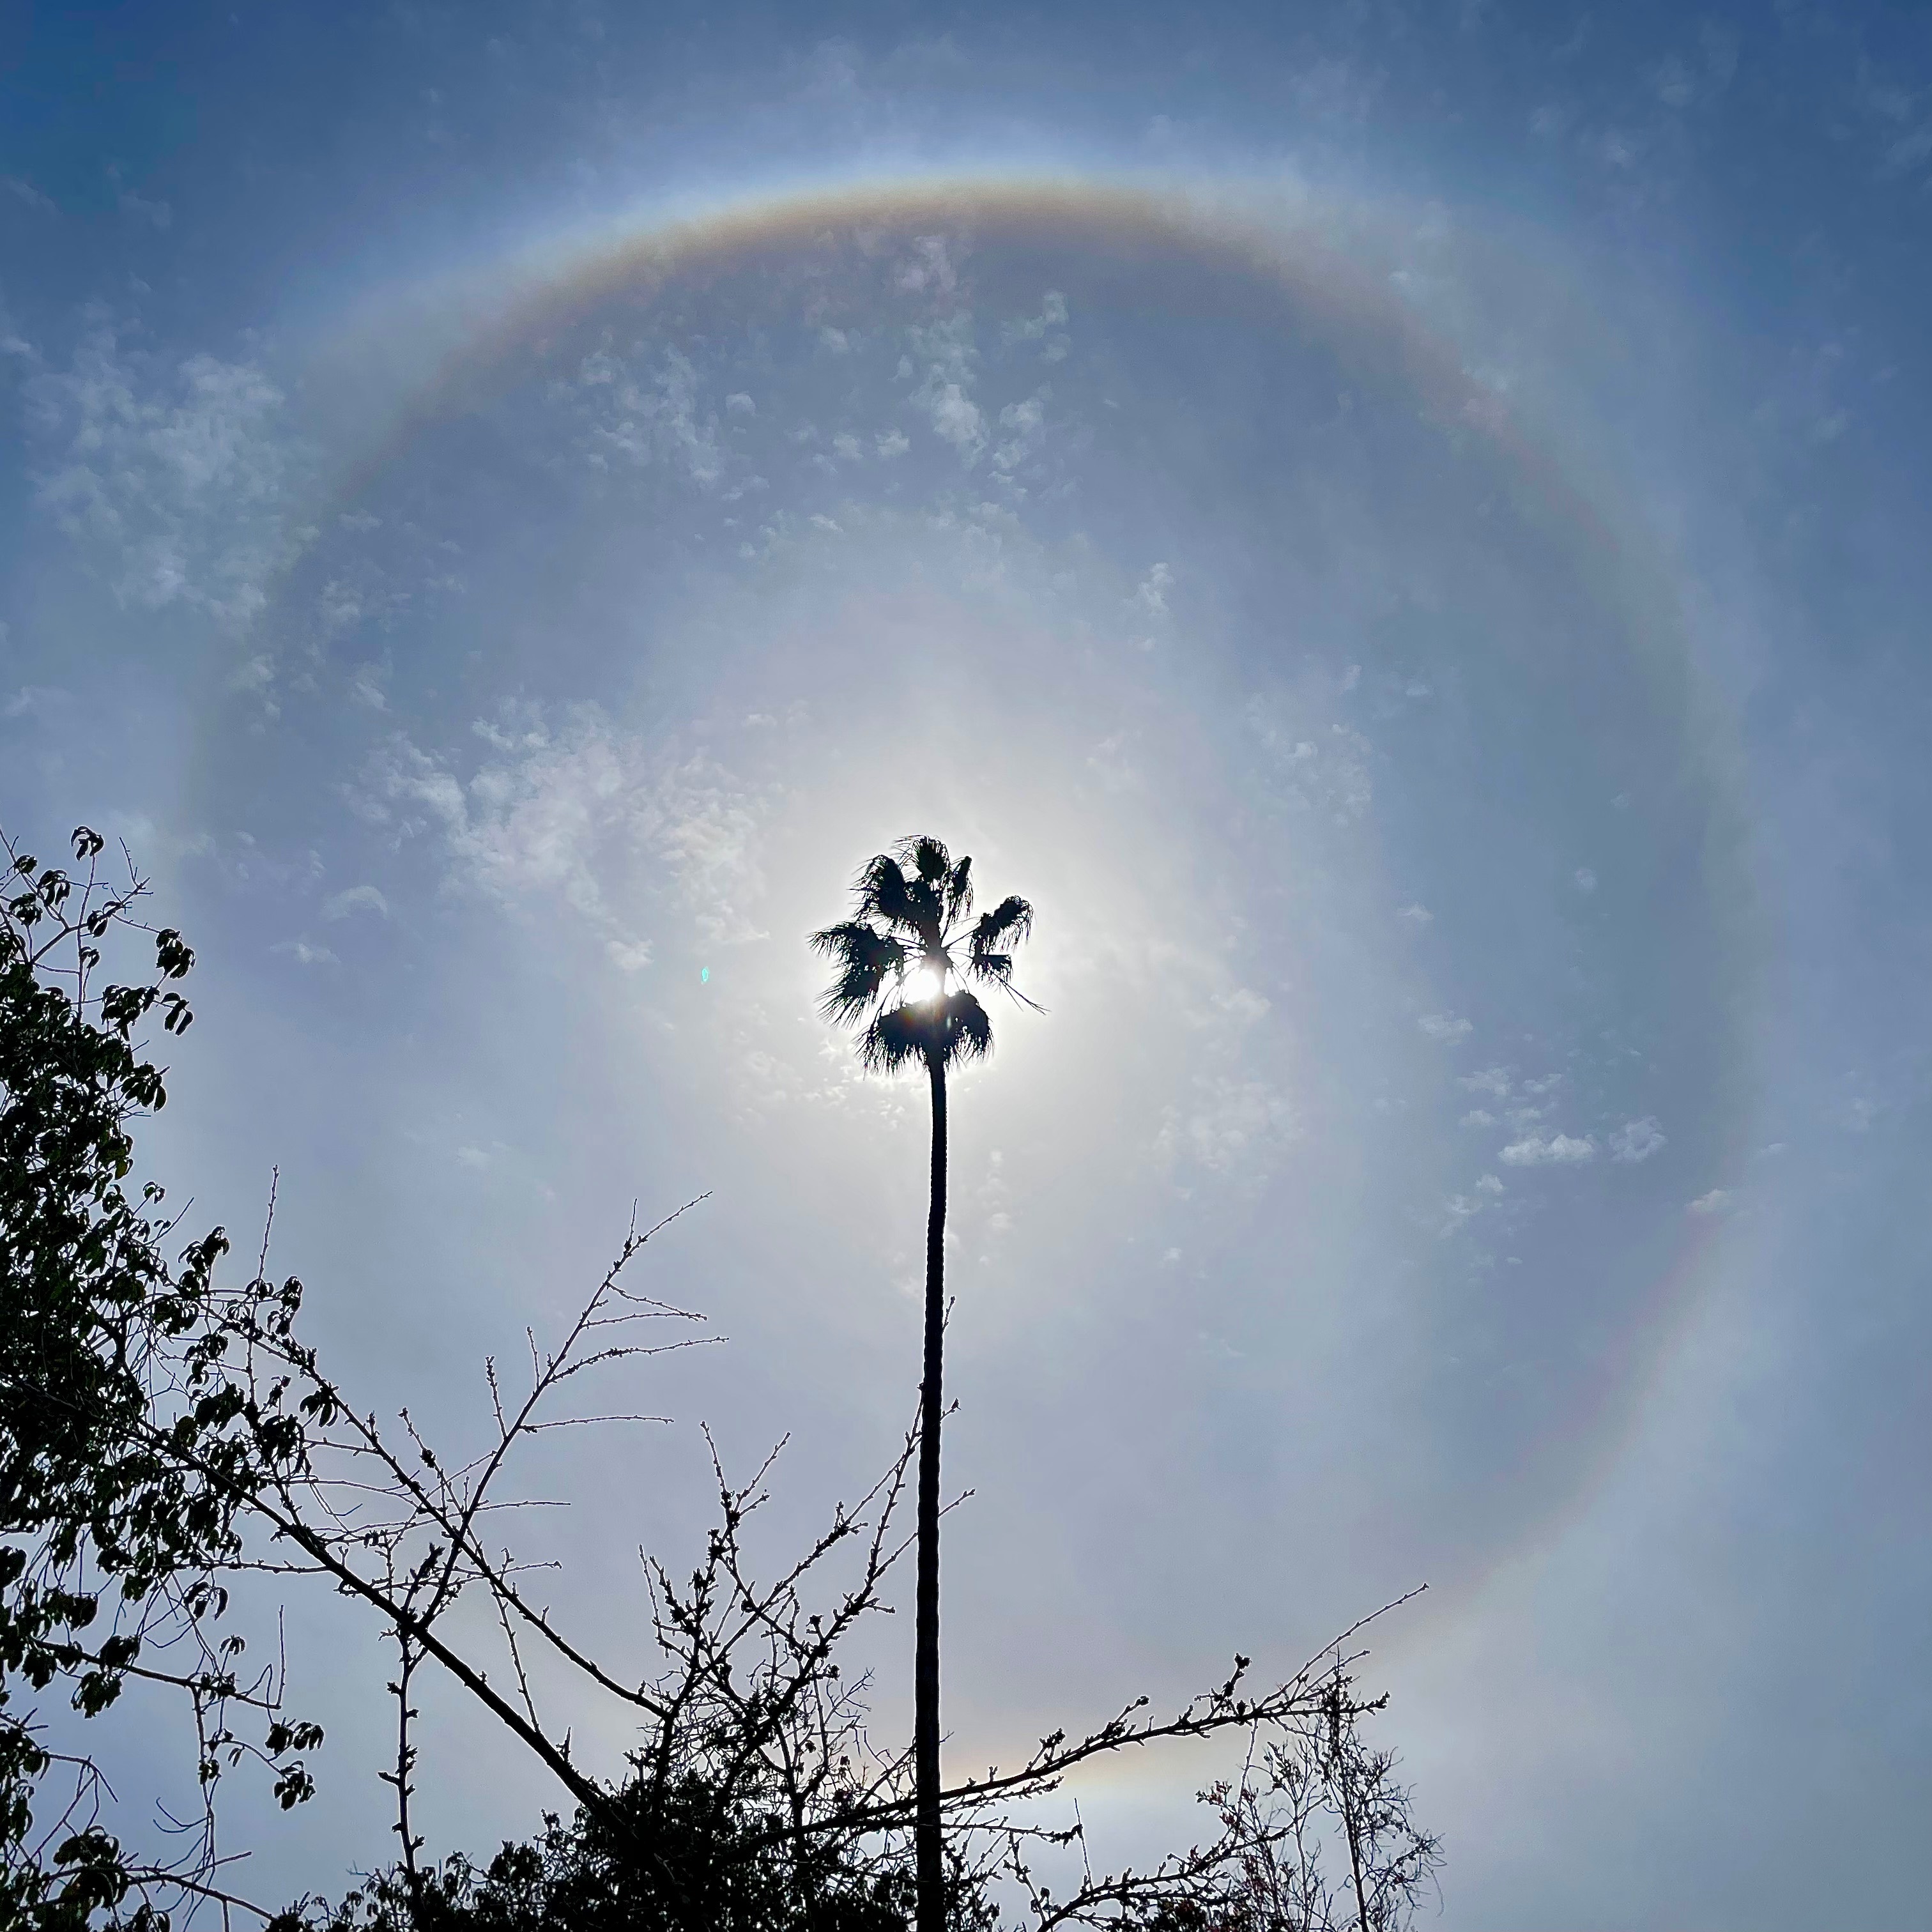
(898, 980)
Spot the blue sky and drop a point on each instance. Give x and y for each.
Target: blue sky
(1399, 528)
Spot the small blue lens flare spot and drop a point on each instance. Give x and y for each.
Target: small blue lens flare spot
(704, 976)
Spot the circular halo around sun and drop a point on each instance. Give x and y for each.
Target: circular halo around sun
(1180, 581)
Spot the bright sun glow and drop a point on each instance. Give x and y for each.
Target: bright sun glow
(922, 984)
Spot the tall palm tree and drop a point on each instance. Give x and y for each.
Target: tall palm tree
(901, 963)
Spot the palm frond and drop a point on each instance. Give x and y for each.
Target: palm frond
(996, 969)
(866, 960)
(959, 891)
(927, 867)
(1011, 919)
(994, 966)
(950, 1030)
(882, 891)
(989, 956)
(895, 1038)
(968, 1031)
(927, 855)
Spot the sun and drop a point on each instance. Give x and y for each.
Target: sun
(921, 985)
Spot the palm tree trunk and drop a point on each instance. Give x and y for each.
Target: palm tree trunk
(931, 1913)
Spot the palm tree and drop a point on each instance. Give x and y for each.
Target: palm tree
(897, 979)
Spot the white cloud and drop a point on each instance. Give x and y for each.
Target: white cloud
(1332, 777)
(157, 213)
(894, 442)
(1558, 1150)
(1025, 425)
(578, 809)
(1671, 81)
(255, 673)
(1150, 593)
(357, 899)
(1494, 1080)
(956, 417)
(1637, 1140)
(31, 700)
(1242, 1005)
(929, 267)
(1715, 1202)
(24, 191)
(1234, 1124)
(1416, 915)
(1109, 762)
(1046, 327)
(947, 349)
(365, 688)
(1478, 1117)
(1488, 1184)
(628, 955)
(1447, 1027)
(1584, 880)
(304, 954)
(661, 418)
(175, 476)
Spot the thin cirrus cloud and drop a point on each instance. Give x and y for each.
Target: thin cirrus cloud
(175, 475)
(559, 807)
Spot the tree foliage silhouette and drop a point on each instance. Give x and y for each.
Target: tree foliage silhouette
(125, 1464)
(901, 963)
